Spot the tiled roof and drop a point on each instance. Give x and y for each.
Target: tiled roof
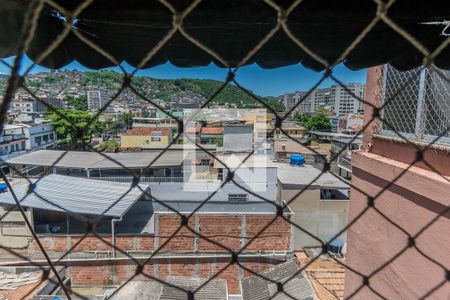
(326, 275)
(195, 129)
(257, 288)
(147, 131)
(216, 289)
(212, 130)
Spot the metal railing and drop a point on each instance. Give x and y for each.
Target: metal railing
(141, 179)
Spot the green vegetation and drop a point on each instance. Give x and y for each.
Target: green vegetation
(317, 121)
(275, 105)
(79, 103)
(72, 127)
(108, 146)
(104, 78)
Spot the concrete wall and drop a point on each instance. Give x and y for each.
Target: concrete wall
(129, 141)
(14, 233)
(237, 138)
(418, 197)
(321, 218)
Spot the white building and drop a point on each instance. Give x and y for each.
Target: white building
(94, 100)
(335, 97)
(39, 136)
(12, 141)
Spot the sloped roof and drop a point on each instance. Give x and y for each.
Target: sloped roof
(76, 195)
(93, 160)
(257, 288)
(130, 29)
(216, 289)
(212, 130)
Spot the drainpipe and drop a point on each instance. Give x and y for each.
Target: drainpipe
(113, 235)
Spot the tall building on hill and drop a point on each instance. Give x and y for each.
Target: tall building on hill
(94, 100)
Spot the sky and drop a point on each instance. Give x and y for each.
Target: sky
(263, 82)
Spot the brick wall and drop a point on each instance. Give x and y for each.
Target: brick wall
(232, 231)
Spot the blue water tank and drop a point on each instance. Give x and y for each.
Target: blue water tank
(297, 160)
(3, 187)
(335, 246)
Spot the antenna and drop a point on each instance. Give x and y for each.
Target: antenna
(443, 23)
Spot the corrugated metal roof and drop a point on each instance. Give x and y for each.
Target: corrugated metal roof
(76, 195)
(93, 160)
(258, 288)
(216, 289)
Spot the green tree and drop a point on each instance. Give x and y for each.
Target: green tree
(73, 127)
(79, 103)
(314, 122)
(108, 146)
(127, 120)
(275, 105)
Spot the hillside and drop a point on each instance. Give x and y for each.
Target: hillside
(75, 84)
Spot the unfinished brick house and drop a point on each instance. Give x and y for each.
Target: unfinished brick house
(146, 231)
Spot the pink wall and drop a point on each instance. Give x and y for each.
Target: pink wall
(418, 196)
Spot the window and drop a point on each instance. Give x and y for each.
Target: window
(418, 103)
(237, 197)
(156, 139)
(37, 140)
(333, 194)
(283, 147)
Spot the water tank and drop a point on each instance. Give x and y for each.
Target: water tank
(335, 246)
(297, 160)
(3, 187)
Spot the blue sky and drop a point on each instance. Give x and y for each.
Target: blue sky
(264, 82)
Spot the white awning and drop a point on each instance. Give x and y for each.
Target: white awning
(76, 195)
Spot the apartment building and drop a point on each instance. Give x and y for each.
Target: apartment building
(342, 100)
(319, 203)
(12, 141)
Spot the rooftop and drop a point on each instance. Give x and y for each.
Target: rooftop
(302, 176)
(234, 160)
(249, 207)
(76, 195)
(93, 160)
(146, 131)
(212, 130)
(257, 288)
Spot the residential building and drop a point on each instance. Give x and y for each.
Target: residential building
(290, 130)
(141, 223)
(341, 99)
(41, 105)
(39, 136)
(12, 141)
(95, 100)
(211, 135)
(319, 203)
(22, 106)
(406, 226)
(284, 148)
(138, 137)
(238, 137)
(350, 124)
